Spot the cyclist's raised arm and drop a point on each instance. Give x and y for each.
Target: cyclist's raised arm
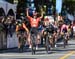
(27, 14)
(41, 13)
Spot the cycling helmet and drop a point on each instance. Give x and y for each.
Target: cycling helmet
(19, 21)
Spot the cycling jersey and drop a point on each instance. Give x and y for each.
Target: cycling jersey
(64, 28)
(34, 22)
(50, 29)
(21, 27)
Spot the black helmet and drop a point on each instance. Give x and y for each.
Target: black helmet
(22, 16)
(19, 21)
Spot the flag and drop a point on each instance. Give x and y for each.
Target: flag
(58, 6)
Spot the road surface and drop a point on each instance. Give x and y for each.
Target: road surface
(56, 53)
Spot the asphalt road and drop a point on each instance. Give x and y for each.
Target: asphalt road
(56, 53)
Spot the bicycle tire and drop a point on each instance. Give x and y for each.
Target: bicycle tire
(47, 44)
(33, 45)
(64, 42)
(22, 42)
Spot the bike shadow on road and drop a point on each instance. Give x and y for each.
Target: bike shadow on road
(41, 50)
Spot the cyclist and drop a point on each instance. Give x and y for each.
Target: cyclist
(55, 35)
(20, 28)
(45, 24)
(64, 28)
(64, 31)
(34, 23)
(49, 27)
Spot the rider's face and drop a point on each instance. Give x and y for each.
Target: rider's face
(35, 16)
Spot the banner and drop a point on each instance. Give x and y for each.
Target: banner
(70, 17)
(58, 6)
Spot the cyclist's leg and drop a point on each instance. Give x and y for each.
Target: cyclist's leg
(29, 40)
(25, 37)
(19, 44)
(51, 41)
(35, 32)
(32, 30)
(37, 41)
(55, 39)
(67, 38)
(38, 38)
(18, 36)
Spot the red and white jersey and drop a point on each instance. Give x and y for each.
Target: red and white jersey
(64, 26)
(34, 22)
